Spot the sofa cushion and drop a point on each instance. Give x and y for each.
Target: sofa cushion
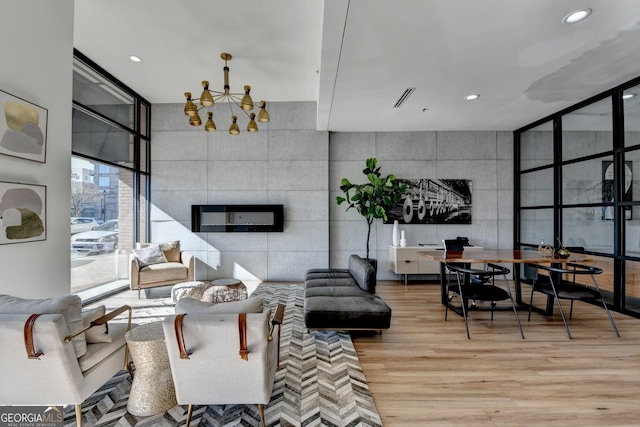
(340, 281)
(326, 273)
(149, 255)
(171, 250)
(349, 312)
(334, 291)
(191, 305)
(96, 353)
(70, 306)
(162, 272)
(363, 273)
(99, 333)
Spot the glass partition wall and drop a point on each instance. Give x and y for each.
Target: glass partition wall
(109, 179)
(574, 176)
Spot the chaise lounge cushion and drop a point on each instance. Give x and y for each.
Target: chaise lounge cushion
(344, 299)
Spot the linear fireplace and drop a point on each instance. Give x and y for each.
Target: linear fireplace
(237, 218)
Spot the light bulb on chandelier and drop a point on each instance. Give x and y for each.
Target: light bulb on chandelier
(209, 97)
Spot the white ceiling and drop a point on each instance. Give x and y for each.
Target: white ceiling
(356, 57)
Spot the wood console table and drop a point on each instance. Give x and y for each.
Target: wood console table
(515, 257)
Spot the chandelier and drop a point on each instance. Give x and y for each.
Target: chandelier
(209, 97)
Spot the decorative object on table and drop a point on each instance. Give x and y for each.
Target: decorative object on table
(241, 99)
(562, 252)
(396, 233)
(433, 201)
(22, 212)
(544, 249)
(375, 198)
(23, 129)
(403, 239)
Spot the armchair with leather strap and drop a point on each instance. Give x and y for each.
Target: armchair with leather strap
(40, 363)
(223, 358)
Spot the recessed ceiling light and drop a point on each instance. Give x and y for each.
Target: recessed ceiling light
(628, 95)
(472, 97)
(134, 58)
(576, 16)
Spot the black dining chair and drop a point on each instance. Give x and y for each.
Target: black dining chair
(554, 283)
(484, 289)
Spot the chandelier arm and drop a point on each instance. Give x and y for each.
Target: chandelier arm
(238, 105)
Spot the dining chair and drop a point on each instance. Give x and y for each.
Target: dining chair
(457, 245)
(483, 290)
(553, 283)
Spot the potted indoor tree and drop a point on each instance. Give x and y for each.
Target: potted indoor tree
(373, 199)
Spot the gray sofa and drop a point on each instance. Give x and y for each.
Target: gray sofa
(344, 299)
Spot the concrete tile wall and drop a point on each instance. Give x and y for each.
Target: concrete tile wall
(286, 162)
(486, 158)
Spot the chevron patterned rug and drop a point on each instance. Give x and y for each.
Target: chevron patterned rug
(320, 383)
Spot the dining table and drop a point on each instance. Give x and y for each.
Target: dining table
(515, 257)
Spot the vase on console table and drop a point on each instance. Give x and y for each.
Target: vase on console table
(403, 239)
(396, 233)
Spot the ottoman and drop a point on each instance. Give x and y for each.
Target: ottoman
(187, 290)
(224, 290)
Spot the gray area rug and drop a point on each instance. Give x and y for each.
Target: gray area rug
(320, 382)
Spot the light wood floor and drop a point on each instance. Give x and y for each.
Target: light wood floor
(425, 372)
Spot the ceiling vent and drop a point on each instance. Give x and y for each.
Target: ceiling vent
(407, 92)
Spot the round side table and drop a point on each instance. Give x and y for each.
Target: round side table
(225, 290)
(152, 389)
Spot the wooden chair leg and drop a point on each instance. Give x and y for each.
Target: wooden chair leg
(79, 415)
(261, 408)
(189, 413)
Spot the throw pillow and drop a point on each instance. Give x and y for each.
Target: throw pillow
(99, 333)
(149, 255)
(70, 306)
(191, 305)
(171, 250)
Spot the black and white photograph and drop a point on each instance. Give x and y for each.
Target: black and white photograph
(433, 201)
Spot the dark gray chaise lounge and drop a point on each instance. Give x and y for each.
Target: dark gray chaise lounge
(344, 299)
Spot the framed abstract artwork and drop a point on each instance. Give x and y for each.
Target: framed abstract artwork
(22, 212)
(433, 201)
(23, 128)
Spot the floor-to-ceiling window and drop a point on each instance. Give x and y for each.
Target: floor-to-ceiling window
(109, 177)
(575, 186)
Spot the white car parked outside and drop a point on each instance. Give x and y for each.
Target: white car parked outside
(79, 224)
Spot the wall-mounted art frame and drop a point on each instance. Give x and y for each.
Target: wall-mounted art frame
(23, 128)
(433, 201)
(607, 188)
(23, 209)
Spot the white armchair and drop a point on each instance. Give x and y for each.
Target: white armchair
(39, 354)
(223, 358)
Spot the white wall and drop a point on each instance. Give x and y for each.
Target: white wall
(37, 59)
